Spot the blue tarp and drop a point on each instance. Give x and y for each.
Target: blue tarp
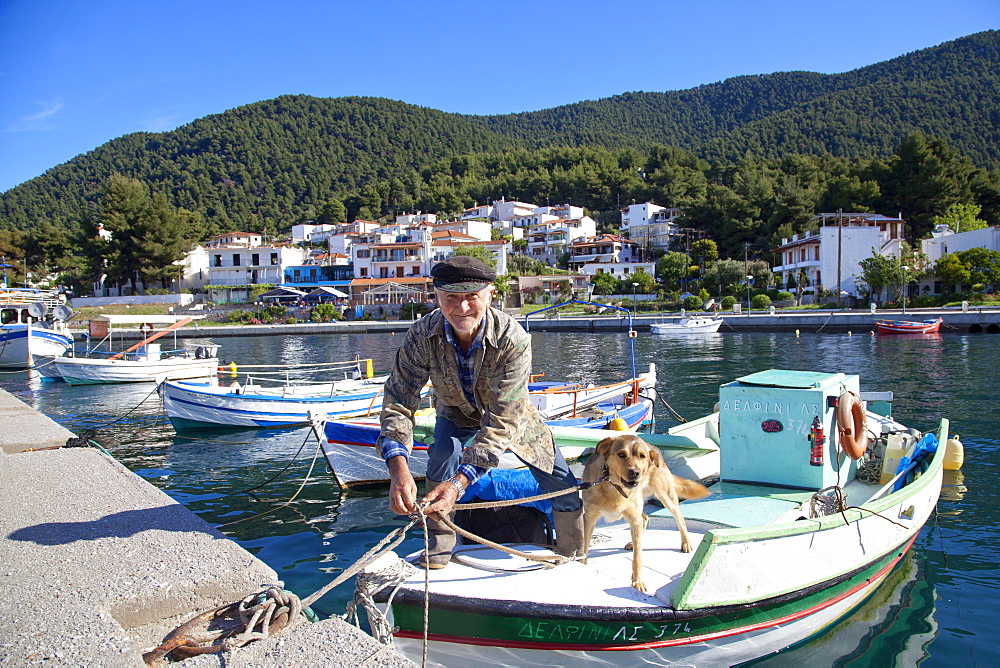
(502, 484)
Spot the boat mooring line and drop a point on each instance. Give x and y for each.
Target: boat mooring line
(673, 413)
(275, 476)
(294, 496)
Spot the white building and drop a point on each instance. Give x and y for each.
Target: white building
(409, 219)
(831, 257)
(308, 233)
(477, 229)
(504, 210)
(193, 269)
(235, 269)
(605, 248)
(650, 225)
(944, 241)
(550, 239)
(237, 239)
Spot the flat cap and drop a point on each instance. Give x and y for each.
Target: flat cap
(462, 273)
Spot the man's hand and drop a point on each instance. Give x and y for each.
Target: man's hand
(402, 488)
(443, 498)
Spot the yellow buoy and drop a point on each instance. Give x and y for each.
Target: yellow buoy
(232, 368)
(618, 424)
(954, 454)
(796, 333)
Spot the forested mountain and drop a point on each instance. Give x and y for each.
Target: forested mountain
(745, 156)
(950, 91)
(263, 163)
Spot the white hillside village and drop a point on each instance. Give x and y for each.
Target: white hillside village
(367, 265)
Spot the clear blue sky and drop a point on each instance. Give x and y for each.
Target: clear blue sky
(75, 74)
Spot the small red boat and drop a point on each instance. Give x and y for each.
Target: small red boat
(908, 326)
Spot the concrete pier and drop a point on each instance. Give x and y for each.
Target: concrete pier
(97, 565)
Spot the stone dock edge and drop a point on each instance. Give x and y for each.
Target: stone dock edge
(98, 565)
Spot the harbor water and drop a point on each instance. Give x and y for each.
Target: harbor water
(938, 608)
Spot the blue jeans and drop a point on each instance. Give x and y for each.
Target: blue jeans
(445, 454)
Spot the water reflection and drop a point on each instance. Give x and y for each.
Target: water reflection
(893, 627)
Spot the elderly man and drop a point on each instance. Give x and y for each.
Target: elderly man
(479, 360)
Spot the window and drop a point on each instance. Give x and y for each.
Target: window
(255, 259)
(236, 259)
(274, 259)
(218, 260)
(364, 272)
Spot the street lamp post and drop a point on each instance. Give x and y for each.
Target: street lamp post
(902, 287)
(749, 281)
(634, 304)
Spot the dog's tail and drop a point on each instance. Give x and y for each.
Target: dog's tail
(689, 489)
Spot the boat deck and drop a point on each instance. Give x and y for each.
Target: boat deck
(606, 580)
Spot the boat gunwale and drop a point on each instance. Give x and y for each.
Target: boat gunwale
(657, 613)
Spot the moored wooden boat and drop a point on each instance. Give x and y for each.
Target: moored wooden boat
(144, 362)
(908, 326)
(286, 405)
(779, 553)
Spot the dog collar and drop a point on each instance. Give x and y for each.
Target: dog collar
(606, 477)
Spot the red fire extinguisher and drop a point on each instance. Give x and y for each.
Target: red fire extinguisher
(818, 439)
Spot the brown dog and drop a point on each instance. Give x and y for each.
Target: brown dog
(634, 472)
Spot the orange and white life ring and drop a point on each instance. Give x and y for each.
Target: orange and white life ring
(852, 425)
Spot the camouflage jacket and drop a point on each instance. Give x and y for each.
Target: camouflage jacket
(503, 411)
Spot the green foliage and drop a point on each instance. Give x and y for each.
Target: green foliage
(727, 302)
(760, 301)
(671, 268)
(692, 303)
(325, 313)
(961, 218)
(477, 251)
(880, 271)
(982, 264)
(646, 282)
(604, 284)
(784, 296)
(522, 265)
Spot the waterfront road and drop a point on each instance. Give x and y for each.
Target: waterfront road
(956, 320)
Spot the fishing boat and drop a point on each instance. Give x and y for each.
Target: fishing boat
(693, 325)
(796, 534)
(32, 325)
(144, 362)
(350, 449)
(566, 399)
(275, 396)
(908, 326)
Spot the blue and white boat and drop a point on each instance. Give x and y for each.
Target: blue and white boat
(350, 450)
(32, 325)
(255, 406)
